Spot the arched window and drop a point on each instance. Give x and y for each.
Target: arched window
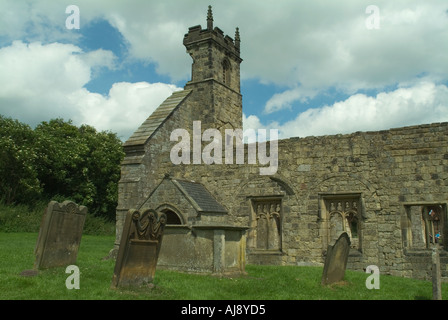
(432, 223)
(226, 72)
(425, 225)
(267, 213)
(352, 219)
(171, 217)
(343, 215)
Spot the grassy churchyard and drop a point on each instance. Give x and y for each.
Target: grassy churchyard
(260, 283)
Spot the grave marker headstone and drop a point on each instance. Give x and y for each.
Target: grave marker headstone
(139, 248)
(336, 260)
(436, 274)
(59, 235)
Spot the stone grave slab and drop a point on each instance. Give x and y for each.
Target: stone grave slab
(139, 248)
(336, 260)
(59, 235)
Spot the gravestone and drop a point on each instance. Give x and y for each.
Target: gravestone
(436, 274)
(139, 248)
(59, 235)
(336, 260)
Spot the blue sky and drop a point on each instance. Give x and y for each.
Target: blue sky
(310, 67)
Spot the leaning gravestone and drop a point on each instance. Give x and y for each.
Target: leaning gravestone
(139, 248)
(59, 235)
(336, 260)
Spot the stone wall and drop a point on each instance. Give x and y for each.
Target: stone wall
(362, 183)
(383, 171)
(203, 249)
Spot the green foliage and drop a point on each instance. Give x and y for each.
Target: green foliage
(18, 177)
(58, 160)
(81, 164)
(21, 218)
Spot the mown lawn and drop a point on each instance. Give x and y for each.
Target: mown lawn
(260, 283)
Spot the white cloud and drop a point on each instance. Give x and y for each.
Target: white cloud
(285, 99)
(22, 66)
(252, 122)
(41, 82)
(32, 21)
(424, 102)
(35, 79)
(125, 107)
(145, 41)
(337, 51)
(305, 47)
(313, 44)
(99, 58)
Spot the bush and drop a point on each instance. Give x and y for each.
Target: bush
(58, 160)
(21, 218)
(18, 174)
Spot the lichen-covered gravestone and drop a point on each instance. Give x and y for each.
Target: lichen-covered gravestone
(139, 248)
(336, 260)
(59, 235)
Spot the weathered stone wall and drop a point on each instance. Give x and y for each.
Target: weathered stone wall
(141, 174)
(361, 182)
(386, 169)
(202, 249)
(215, 56)
(166, 193)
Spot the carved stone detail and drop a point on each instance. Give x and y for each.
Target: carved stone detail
(343, 216)
(268, 227)
(139, 248)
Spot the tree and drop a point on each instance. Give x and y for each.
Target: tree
(79, 163)
(18, 176)
(60, 156)
(57, 160)
(102, 168)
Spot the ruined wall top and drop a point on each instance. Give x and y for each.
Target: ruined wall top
(196, 35)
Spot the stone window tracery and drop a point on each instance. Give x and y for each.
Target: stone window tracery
(424, 225)
(267, 230)
(343, 215)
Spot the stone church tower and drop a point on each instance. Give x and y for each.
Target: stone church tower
(215, 75)
(197, 237)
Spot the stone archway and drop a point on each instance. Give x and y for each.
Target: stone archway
(174, 217)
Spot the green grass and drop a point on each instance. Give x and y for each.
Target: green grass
(260, 283)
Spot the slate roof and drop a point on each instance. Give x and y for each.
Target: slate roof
(199, 196)
(146, 130)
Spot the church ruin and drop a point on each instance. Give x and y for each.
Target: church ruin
(387, 189)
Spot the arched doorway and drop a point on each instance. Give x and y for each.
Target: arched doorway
(171, 217)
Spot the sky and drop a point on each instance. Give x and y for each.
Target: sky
(309, 68)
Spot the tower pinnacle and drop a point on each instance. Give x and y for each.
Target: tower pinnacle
(210, 18)
(237, 38)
